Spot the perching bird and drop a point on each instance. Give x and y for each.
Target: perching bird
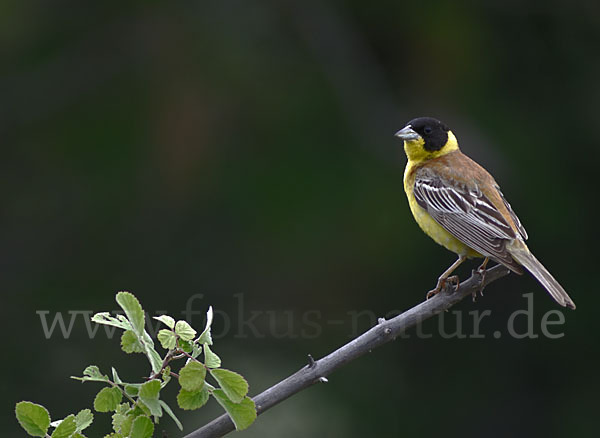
(458, 204)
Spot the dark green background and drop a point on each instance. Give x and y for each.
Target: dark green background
(239, 147)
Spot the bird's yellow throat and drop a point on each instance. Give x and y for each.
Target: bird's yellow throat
(416, 153)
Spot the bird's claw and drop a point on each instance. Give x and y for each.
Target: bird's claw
(442, 283)
(481, 270)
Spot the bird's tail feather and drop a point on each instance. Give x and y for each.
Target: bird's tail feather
(522, 254)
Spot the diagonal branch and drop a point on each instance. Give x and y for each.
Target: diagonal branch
(382, 333)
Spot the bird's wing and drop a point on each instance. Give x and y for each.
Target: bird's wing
(467, 214)
(514, 217)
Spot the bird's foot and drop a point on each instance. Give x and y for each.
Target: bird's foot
(481, 284)
(481, 270)
(441, 284)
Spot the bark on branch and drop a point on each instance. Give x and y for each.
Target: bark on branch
(385, 331)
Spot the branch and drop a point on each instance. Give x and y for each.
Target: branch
(382, 333)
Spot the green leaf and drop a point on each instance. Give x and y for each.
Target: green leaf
(186, 346)
(108, 399)
(152, 355)
(117, 421)
(34, 418)
(133, 309)
(166, 375)
(149, 393)
(92, 374)
(84, 419)
(171, 414)
(106, 318)
(142, 427)
(154, 407)
(196, 350)
(154, 358)
(242, 414)
(233, 384)
(116, 377)
(66, 428)
(126, 425)
(132, 390)
(210, 358)
(120, 417)
(166, 320)
(205, 337)
(191, 376)
(184, 330)
(190, 400)
(130, 342)
(167, 339)
(150, 390)
(140, 409)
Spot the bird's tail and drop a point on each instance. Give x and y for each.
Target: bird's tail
(521, 253)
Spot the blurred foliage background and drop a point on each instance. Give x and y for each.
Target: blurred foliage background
(244, 151)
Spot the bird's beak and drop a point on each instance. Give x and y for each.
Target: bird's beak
(407, 133)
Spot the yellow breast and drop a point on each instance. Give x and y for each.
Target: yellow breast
(428, 224)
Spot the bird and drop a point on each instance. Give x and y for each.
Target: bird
(457, 203)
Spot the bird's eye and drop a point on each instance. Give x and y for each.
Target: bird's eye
(427, 130)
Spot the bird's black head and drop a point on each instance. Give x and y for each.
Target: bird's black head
(433, 132)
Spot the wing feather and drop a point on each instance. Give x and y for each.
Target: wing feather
(468, 215)
(514, 217)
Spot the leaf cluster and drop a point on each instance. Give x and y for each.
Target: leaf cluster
(137, 406)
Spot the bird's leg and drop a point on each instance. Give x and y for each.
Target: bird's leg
(445, 277)
(481, 270)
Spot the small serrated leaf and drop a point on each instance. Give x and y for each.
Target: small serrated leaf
(153, 406)
(190, 400)
(126, 425)
(142, 427)
(107, 399)
(32, 417)
(233, 384)
(120, 417)
(133, 309)
(149, 393)
(167, 339)
(184, 330)
(150, 390)
(66, 428)
(192, 375)
(107, 319)
(132, 390)
(140, 409)
(166, 320)
(92, 374)
(83, 419)
(210, 358)
(130, 342)
(166, 375)
(171, 414)
(116, 377)
(205, 337)
(152, 355)
(186, 346)
(196, 350)
(242, 414)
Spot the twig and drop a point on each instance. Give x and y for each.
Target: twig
(385, 331)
